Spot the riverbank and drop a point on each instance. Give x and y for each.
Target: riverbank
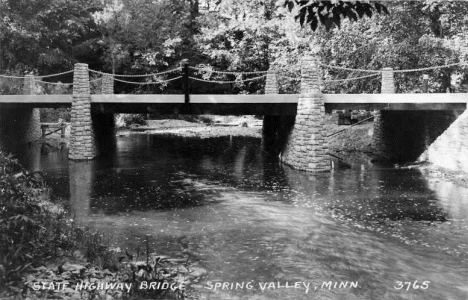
(46, 254)
(214, 126)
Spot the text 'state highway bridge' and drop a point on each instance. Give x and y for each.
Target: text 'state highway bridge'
(423, 126)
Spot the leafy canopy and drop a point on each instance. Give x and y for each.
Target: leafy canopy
(330, 13)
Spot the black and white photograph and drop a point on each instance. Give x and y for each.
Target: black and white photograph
(233, 150)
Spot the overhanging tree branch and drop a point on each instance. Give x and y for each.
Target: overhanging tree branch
(330, 13)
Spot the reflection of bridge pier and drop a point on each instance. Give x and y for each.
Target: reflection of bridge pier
(81, 177)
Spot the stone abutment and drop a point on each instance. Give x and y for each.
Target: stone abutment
(402, 136)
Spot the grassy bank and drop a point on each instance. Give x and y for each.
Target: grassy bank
(348, 138)
(44, 254)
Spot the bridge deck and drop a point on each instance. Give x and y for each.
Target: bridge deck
(283, 104)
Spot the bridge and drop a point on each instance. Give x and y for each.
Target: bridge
(266, 104)
(406, 127)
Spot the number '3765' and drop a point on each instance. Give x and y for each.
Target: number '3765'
(411, 285)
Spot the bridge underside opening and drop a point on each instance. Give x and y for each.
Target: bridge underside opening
(402, 136)
(275, 133)
(104, 132)
(198, 108)
(18, 126)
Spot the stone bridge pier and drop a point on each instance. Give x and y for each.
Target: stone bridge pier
(300, 140)
(403, 135)
(19, 125)
(91, 134)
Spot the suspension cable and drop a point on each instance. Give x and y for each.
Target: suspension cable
(227, 81)
(149, 82)
(137, 75)
(227, 72)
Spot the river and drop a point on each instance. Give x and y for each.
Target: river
(276, 232)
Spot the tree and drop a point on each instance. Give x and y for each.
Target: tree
(415, 35)
(240, 36)
(141, 36)
(45, 35)
(330, 13)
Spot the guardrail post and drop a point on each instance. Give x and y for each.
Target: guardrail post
(82, 139)
(29, 85)
(307, 145)
(32, 117)
(388, 81)
(107, 84)
(425, 83)
(185, 80)
(271, 84)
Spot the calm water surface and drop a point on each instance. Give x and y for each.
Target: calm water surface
(244, 217)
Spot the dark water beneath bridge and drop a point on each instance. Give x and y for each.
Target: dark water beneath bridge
(243, 217)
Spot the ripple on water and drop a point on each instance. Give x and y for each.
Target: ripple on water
(244, 217)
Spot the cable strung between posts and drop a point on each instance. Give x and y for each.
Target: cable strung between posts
(12, 76)
(149, 82)
(349, 69)
(227, 72)
(39, 76)
(57, 74)
(137, 75)
(352, 78)
(395, 71)
(430, 68)
(333, 80)
(230, 81)
(53, 83)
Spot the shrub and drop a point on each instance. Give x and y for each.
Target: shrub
(34, 230)
(35, 233)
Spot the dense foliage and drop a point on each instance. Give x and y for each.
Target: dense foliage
(330, 13)
(46, 36)
(138, 36)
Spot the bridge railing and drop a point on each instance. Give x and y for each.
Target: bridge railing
(100, 82)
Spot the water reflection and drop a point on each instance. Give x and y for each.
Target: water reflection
(244, 216)
(81, 178)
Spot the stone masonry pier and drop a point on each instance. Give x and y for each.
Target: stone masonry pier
(306, 145)
(91, 133)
